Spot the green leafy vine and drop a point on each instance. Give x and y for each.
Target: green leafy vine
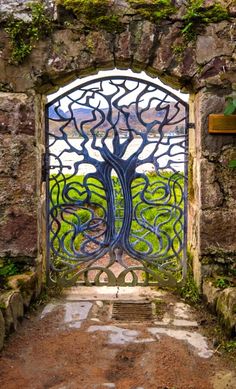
(23, 35)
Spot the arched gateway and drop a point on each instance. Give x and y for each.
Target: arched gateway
(117, 184)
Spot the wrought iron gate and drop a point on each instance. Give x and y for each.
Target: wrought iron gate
(116, 159)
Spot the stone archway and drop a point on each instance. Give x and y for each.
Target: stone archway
(204, 67)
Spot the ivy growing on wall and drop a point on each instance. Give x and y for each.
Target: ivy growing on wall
(97, 14)
(23, 35)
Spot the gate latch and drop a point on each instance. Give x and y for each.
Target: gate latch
(191, 125)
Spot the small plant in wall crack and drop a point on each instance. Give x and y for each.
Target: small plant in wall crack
(24, 34)
(230, 109)
(189, 290)
(197, 16)
(231, 106)
(222, 282)
(9, 268)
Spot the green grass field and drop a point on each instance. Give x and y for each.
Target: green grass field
(157, 220)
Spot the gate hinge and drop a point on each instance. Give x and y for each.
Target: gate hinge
(44, 167)
(191, 125)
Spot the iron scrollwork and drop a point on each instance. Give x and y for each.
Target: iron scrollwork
(117, 183)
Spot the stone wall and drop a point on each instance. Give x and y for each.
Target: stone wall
(18, 202)
(204, 67)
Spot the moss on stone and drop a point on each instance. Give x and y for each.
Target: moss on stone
(155, 10)
(23, 35)
(8, 268)
(190, 179)
(197, 16)
(90, 8)
(95, 13)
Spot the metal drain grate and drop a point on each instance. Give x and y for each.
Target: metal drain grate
(132, 311)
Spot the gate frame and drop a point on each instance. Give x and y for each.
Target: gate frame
(46, 168)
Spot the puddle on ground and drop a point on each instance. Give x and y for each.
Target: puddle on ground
(118, 335)
(75, 312)
(193, 338)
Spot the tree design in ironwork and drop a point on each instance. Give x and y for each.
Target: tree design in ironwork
(124, 189)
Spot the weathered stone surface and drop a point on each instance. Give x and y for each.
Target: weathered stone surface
(164, 54)
(226, 308)
(211, 195)
(26, 284)
(19, 8)
(217, 230)
(16, 114)
(17, 152)
(212, 72)
(2, 330)
(227, 175)
(145, 37)
(12, 308)
(123, 50)
(210, 45)
(210, 293)
(18, 222)
(207, 103)
(18, 233)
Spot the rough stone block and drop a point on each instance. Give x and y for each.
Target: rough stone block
(18, 233)
(102, 48)
(210, 45)
(207, 103)
(123, 49)
(79, 52)
(210, 293)
(227, 175)
(217, 230)
(211, 195)
(11, 304)
(147, 34)
(164, 54)
(26, 284)
(16, 114)
(226, 309)
(2, 330)
(18, 159)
